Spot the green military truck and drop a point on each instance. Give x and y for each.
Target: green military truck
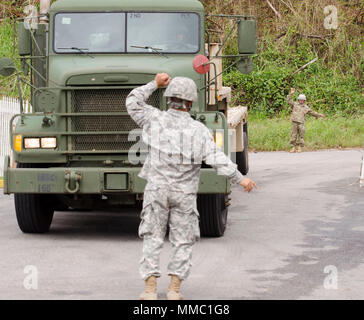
(83, 58)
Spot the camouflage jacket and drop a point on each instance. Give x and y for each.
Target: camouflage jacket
(177, 145)
(299, 111)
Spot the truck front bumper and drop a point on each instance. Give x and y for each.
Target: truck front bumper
(92, 180)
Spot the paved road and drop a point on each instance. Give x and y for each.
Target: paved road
(308, 214)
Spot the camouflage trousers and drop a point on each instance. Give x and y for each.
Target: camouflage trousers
(163, 207)
(298, 131)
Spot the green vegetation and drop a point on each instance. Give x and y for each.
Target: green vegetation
(265, 89)
(7, 85)
(333, 84)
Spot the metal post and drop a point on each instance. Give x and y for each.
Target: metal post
(20, 96)
(44, 10)
(215, 69)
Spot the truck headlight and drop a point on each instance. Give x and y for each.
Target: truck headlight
(48, 143)
(31, 143)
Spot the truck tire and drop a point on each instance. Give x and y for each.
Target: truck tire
(242, 158)
(213, 214)
(34, 212)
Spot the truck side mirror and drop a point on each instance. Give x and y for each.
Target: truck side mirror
(7, 67)
(247, 36)
(247, 44)
(245, 65)
(24, 40)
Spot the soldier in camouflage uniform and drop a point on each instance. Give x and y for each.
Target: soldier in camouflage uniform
(299, 111)
(177, 146)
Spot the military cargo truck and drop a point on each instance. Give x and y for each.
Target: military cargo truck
(83, 58)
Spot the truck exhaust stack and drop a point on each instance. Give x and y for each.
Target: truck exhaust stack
(44, 9)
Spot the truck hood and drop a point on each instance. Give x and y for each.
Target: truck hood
(64, 67)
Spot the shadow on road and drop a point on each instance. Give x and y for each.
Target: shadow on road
(93, 224)
(337, 242)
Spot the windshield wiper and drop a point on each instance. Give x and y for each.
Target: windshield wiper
(156, 50)
(82, 50)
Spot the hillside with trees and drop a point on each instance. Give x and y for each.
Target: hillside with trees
(291, 33)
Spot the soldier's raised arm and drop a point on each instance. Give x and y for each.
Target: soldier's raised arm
(136, 104)
(217, 159)
(289, 97)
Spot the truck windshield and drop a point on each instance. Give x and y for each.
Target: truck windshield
(132, 32)
(90, 32)
(169, 32)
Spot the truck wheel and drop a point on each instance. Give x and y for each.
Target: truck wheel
(213, 214)
(242, 158)
(34, 212)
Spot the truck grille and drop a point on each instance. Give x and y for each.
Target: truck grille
(106, 101)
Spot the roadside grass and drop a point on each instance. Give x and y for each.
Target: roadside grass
(8, 85)
(333, 132)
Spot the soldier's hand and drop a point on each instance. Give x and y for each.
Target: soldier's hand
(248, 184)
(162, 80)
(293, 90)
(323, 116)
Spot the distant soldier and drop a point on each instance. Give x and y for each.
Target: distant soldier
(299, 111)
